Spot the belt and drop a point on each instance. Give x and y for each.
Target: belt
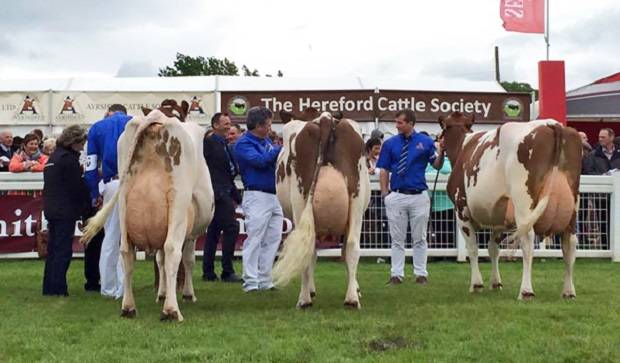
(409, 191)
(269, 191)
(106, 181)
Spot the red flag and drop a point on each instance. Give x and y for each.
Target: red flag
(525, 16)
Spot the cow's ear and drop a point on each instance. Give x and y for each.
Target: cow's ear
(185, 108)
(285, 116)
(440, 120)
(470, 121)
(146, 110)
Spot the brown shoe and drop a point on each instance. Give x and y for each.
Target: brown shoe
(395, 280)
(422, 280)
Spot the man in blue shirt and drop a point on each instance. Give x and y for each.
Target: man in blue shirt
(257, 157)
(405, 156)
(102, 139)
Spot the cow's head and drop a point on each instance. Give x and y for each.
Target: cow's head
(171, 108)
(309, 114)
(454, 127)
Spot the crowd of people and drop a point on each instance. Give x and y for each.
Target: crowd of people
(75, 190)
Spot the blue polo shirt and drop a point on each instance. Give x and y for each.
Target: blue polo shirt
(421, 153)
(256, 158)
(102, 139)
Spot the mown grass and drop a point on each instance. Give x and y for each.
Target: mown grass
(438, 322)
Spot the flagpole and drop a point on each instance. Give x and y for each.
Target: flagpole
(547, 26)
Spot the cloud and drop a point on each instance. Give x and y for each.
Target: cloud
(137, 69)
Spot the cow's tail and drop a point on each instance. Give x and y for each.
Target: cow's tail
(95, 224)
(525, 226)
(299, 247)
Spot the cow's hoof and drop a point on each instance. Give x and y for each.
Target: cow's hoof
(497, 286)
(128, 313)
(569, 296)
(353, 305)
(160, 298)
(477, 288)
(313, 294)
(172, 316)
(304, 305)
(189, 298)
(527, 295)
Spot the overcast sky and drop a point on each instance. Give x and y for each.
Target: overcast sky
(445, 38)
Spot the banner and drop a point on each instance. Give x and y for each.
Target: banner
(524, 16)
(368, 105)
(88, 107)
(21, 216)
(26, 108)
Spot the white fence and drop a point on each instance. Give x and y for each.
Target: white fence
(598, 230)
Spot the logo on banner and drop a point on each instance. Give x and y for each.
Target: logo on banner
(194, 106)
(28, 106)
(513, 108)
(68, 112)
(238, 105)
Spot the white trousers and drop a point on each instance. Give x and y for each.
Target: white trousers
(403, 209)
(263, 224)
(110, 263)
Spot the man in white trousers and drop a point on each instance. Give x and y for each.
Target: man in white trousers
(102, 139)
(403, 162)
(257, 156)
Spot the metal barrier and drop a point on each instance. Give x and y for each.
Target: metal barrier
(598, 230)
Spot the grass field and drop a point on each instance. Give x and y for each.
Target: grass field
(438, 322)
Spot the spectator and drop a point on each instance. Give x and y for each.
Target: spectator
(39, 134)
(442, 208)
(257, 156)
(604, 157)
(234, 134)
(373, 148)
(18, 141)
(29, 158)
(223, 170)
(49, 145)
(276, 139)
(65, 200)
(102, 142)
(377, 134)
(585, 145)
(6, 149)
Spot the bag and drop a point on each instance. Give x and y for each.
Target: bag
(41, 237)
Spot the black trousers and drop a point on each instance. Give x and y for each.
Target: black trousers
(224, 222)
(59, 252)
(92, 252)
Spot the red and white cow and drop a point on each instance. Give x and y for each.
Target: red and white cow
(323, 186)
(165, 200)
(520, 175)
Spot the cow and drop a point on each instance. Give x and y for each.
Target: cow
(165, 200)
(522, 175)
(324, 188)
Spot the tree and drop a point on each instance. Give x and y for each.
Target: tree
(280, 74)
(518, 87)
(248, 73)
(186, 65)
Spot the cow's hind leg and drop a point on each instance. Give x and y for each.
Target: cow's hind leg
(161, 287)
(356, 212)
(128, 254)
(469, 233)
(305, 297)
(189, 260)
(496, 280)
(527, 247)
(311, 285)
(173, 250)
(569, 246)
